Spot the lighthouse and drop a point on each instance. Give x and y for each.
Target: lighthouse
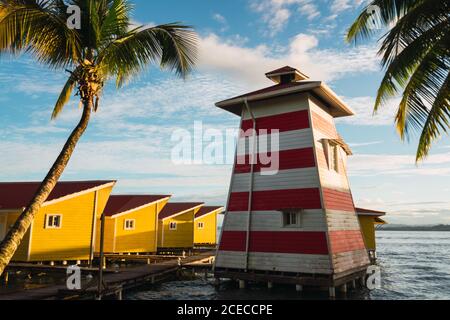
(294, 222)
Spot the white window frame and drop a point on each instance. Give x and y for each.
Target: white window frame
(298, 217)
(200, 225)
(126, 225)
(173, 226)
(47, 221)
(332, 152)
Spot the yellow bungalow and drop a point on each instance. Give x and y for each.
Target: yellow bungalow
(368, 220)
(176, 226)
(131, 223)
(64, 228)
(205, 226)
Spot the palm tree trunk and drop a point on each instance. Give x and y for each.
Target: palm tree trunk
(12, 240)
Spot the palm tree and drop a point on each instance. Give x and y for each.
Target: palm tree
(416, 55)
(107, 46)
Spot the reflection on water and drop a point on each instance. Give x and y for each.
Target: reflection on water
(415, 265)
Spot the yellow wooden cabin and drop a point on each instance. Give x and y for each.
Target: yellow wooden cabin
(205, 226)
(368, 220)
(176, 226)
(131, 223)
(64, 228)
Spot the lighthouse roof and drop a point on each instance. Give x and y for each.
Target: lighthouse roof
(288, 83)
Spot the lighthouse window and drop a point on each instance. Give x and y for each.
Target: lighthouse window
(292, 219)
(173, 226)
(334, 157)
(200, 225)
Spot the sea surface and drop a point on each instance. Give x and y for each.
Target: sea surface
(414, 265)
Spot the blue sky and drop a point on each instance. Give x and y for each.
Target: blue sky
(130, 137)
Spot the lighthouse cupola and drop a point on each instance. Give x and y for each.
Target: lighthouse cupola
(286, 75)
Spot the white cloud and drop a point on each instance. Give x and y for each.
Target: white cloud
(364, 144)
(222, 20)
(364, 112)
(219, 18)
(276, 13)
(339, 6)
(251, 63)
(398, 165)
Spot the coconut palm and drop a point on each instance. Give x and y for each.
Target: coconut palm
(107, 46)
(416, 55)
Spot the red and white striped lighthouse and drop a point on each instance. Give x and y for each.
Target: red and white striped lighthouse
(297, 225)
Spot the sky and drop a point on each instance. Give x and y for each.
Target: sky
(130, 138)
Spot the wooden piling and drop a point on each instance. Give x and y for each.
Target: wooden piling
(332, 292)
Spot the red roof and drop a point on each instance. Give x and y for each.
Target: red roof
(17, 195)
(370, 212)
(122, 203)
(172, 209)
(205, 210)
(285, 69)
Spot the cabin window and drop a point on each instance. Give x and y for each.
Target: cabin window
(292, 219)
(130, 224)
(53, 221)
(201, 225)
(173, 226)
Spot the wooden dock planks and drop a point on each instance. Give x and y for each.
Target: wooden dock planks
(125, 278)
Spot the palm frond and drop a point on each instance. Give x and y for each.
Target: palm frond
(36, 27)
(173, 46)
(64, 96)
(438, 121)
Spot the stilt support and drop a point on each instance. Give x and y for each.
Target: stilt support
(332, 292)
(343, 288)
(353, 284)
(269, 285)
(362, 282)
(241, 284)
(299, 288)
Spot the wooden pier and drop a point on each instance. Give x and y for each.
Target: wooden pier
(117, 281)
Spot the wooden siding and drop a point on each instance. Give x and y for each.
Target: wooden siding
(183, 237)
(276, 200)
(296, 139)
(277, 106)
(296, 120)
(208, 234)
(292, 179)
(311, 220)
(276, 242)
(323, 125)
(345, 238)
(368, 229)
(338, 200)
(298, 263)
(287, 159)
(72, 241)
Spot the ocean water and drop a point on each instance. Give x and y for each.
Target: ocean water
(414, 265)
